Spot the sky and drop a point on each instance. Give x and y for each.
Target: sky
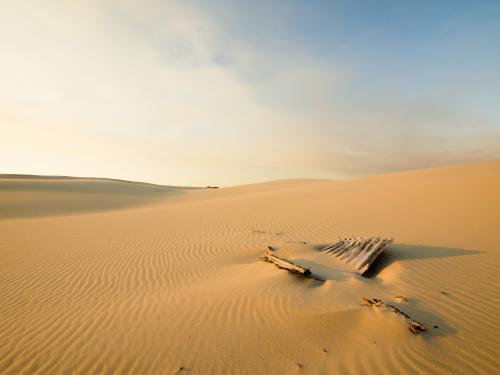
(226, 93)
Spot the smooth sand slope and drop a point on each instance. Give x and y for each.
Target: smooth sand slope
(174, 284)
(32, 195)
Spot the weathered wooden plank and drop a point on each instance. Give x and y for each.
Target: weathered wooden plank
(361, 252)
(413, 325)
(288, 265)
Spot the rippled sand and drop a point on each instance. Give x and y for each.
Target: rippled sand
(103, 276)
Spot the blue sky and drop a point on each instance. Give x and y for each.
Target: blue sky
(226, 93)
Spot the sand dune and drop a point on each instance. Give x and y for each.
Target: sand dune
(131, 279)
(31, 195)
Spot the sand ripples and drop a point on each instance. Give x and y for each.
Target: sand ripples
(154, 289)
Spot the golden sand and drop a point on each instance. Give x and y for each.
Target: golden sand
(102, 276)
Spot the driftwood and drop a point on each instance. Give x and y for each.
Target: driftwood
(359, 251)
(413, 325)
(287, 265)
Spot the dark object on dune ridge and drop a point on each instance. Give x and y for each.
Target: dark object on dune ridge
(211, 187)
(413, 325)
(361, 252)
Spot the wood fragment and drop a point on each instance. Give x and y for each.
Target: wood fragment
(288, 265)
(413, 325)
(361, 252)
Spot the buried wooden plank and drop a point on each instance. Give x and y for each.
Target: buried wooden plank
(413, 325)
(361, 252)
(288, 265)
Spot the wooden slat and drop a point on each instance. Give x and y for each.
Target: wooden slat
(413, 325)
(288, 265)
(359, 251)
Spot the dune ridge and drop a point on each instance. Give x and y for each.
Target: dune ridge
(24, 196)
(174, 284)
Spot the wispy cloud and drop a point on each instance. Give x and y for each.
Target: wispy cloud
(198, 93)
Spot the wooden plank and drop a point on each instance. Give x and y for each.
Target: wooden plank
(413, 325)
(288, 265)
(361, 252)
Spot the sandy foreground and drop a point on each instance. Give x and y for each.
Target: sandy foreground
(106, 276)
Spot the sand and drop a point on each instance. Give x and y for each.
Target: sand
(105, 276)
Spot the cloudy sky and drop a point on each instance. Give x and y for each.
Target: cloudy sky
(224, 93)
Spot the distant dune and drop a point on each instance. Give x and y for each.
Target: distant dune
(32, 195)
(105, 276)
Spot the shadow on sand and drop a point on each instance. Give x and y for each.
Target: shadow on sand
(436, 324)
(400, 252)
(394, 253)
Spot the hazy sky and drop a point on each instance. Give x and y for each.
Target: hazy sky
(223, 93)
